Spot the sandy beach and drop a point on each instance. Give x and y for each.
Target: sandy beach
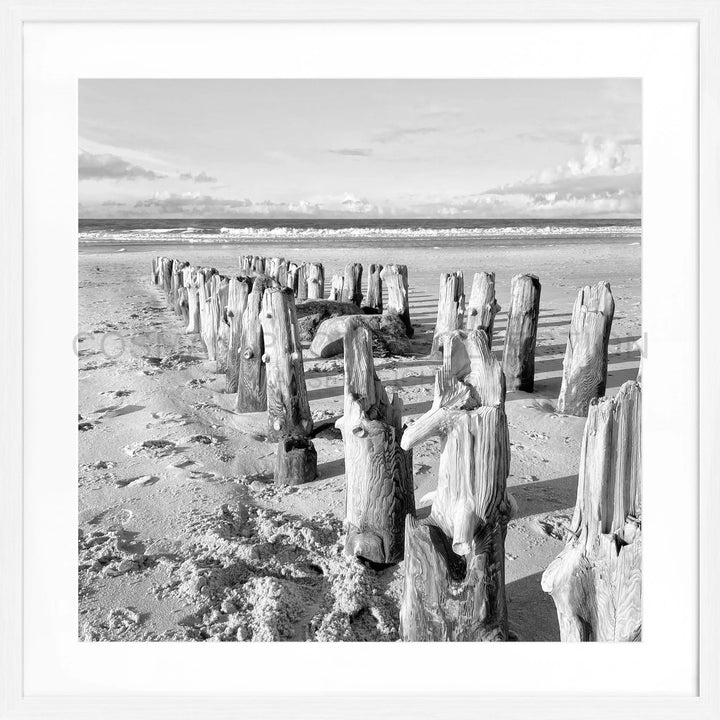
(182, 533)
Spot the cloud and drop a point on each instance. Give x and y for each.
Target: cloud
(352, 152)
(111, 167)
(402, 133)
(113, 203)
(201, 177)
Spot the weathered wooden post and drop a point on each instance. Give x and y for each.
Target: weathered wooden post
(586, 353)
(451, 309)
(296, 461)
(252, 386)
(208, 327)
(302, 284)
(352, 283)
(596, 581)
(166, 274)
(273, 267)
(190, 285)
(374, 299)
(336, 287)
(521, 333)
(482, 306)
(238, 292)
(287, 402)
(454, 585)
(258, 265)
(314, 274)
(395, 278)
(176, 283)
(155, 275)
(219, 301)
(378, 470)
(292, 276)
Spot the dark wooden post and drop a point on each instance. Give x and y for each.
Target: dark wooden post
(155, 276)
(521, 333)
(259, 265)
(379, 472)
(352, 283)
(287, 402)
(315, 281)
(596, 581)
(336, 287)
(252, 393)
(482, 306)
(395, 278)
(292, 276)
(451, 309)
(238, 292)
(166, 274)
(374, 299)
(586, 354)
(455, 557)
(219, 313)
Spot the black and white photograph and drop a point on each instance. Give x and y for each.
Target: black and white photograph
(359, 360)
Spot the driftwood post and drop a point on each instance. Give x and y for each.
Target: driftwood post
(451, 309)
(208, 327)
(292, 276)
(336, 287)
(482, 306)
(287, 402)
(302, 283)
(586, 354)
(379, 471)
(251, 384)
(238, 292)
(596, 581)
(166, 274)
(374, 299)
(521, 333)
(454, 586)
(296, 461)
(155, 276)
(258, 265)
(314, 275)
(189, 283)
(218, 311)
(352, 283)
(395, 278)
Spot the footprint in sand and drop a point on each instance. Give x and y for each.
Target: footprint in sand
(142, 480)
(167, 418)
(85, 426)
(202, 440)
(115, 411)
(151, 448)
(117, 393)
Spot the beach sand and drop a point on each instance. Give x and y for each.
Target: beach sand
(182, 534)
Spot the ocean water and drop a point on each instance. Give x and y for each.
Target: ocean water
(97, 234)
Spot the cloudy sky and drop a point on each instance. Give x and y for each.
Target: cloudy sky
(359, 148)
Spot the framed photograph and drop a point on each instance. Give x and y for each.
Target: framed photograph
(359, 360)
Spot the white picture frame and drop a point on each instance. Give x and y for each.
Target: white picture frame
(16, 21)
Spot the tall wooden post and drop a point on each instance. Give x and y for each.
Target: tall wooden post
(521, 333)
(586, 353)
(482, 306)
(455, 557)
(352, 283)
(395, 278)
(596, 581)
(287, 402)
(451, 309)
(302, 283)
(208, 326)
(166, 274)
(252, 386)
(218, 307)
(374, 299)
(190, 284)
(155, 273)
(238, 292)
(336, 287)
(314, 274)
(379, 472)
(292, 276)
